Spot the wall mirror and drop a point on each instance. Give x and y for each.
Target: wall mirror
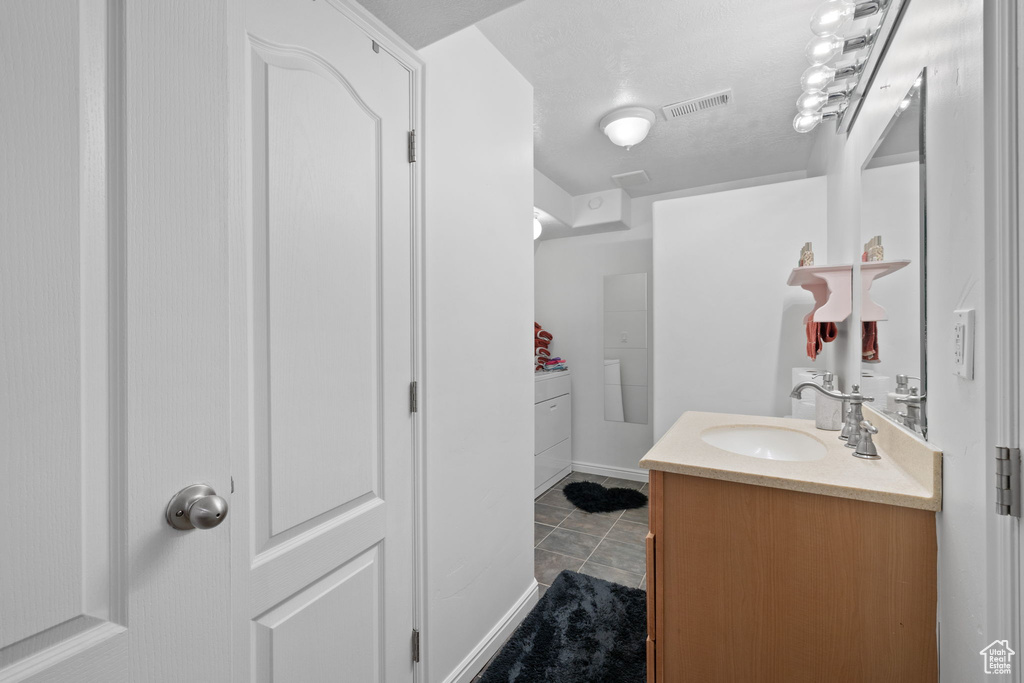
(625, 348)
(893, 264)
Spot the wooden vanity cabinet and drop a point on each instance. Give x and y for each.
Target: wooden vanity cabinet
(755, 584)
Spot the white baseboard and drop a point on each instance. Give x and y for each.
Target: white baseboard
(467, 670)
(630, 473)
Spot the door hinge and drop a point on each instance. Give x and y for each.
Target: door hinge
(412, 146)
(414, 397)
(1007, 481)
(415, 645)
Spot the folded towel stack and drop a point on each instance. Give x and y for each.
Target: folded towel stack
(555, 364)
(541, 353)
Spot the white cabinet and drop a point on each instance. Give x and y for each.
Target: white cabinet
(552, 446)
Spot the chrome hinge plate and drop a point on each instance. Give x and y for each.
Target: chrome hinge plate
(412, 146)
(415, 645)
(414, 397)
(1007, 481)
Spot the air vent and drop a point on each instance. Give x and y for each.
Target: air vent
(631, 179)
(699, 104)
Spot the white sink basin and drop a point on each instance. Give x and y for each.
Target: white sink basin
(765, 442)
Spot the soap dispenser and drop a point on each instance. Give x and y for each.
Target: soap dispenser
(828, 412)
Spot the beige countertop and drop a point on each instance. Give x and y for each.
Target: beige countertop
(909, 473)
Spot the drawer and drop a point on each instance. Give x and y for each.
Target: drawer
(550, 387)
(552, 422)
(552, 461)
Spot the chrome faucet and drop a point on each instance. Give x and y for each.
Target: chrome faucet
(915, 418)
(854, 414)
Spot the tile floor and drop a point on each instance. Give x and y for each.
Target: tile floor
(608, 545)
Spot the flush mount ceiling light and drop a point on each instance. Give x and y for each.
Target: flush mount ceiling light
(627, 127)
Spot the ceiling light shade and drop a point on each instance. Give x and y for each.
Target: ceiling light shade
(537, 227)
(822, 49)
(832, 17)
(627, 127)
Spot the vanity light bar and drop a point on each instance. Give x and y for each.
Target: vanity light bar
(831, 18)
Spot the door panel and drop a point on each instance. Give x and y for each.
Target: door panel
(322, 263)
(60, 609)
(327, 464)
(302, 640)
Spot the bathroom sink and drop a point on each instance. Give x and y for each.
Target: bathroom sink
(765, 442)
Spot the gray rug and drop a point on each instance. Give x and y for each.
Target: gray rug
(584, 630)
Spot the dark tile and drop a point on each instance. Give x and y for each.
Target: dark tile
(645, 489)
(628, 532)
(542, 590)
(625, 556)
(613, 483)
(638, 515)
(547, 514)
(556, 498)
(540, 532)
(596, 524)
(548, 565)
(571, 543)
(643, 583)
(611, 574)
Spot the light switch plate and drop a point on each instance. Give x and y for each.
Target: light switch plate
(963, 343)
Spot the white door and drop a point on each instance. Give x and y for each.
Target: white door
(151, 339)
(323, 458)
(113, 335)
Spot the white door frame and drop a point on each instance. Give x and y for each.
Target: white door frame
(390, 42)
(1003, 33)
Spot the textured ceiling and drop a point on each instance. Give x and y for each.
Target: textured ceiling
(422, 22)
(587, 57)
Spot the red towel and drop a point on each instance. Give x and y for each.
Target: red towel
(542, 352)
(869, 342)
(540, 344)
(544, 336)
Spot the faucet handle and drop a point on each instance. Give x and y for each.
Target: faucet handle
(865, 446)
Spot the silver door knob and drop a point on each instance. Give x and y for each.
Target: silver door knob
(196, 507)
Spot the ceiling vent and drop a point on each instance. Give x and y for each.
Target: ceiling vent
(631, 179)
(699, 104)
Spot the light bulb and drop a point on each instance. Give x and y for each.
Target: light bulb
(811, 101)
(806, 122)
(822, 49)
(817, 77)
(832, 17)
(905, 104)
(537, 227)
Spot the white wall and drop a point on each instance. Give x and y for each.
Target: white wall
(727, 328)
(945, 36)
(570, 304)
(478, 393)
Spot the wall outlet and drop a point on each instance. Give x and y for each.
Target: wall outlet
(963, 343)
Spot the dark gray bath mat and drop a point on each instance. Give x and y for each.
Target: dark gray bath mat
(584, 630)
(591, 497)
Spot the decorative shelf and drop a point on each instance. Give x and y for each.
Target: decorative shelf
(869, 272)
(832, 289)
(830, 286)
